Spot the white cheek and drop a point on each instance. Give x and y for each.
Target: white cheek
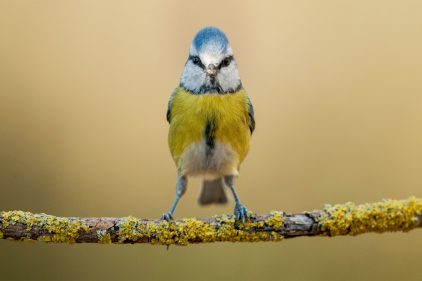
(229, 77)
(193, 77)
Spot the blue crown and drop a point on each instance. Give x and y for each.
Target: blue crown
(210, 37)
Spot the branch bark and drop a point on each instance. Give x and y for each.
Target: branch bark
(332, 220)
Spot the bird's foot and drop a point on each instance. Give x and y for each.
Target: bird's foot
(241, 212)
(167, 217)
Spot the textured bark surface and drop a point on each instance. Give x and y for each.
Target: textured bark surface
(341, 219)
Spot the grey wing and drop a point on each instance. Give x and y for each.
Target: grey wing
(168, 115)
(251, 115)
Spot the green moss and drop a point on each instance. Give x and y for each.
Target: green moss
(388, 215)
(1, 235)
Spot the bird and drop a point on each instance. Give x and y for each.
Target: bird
(211, 122)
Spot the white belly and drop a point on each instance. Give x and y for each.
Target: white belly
(199, 160)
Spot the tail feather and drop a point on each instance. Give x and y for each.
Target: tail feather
(212, 192)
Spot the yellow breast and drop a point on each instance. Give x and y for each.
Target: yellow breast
(190, 114)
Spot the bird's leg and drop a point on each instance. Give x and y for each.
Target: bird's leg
(240, 211)
(181, 183)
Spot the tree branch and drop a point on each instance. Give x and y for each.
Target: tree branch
(332, 220)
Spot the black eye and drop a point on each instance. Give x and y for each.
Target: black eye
(226, 62)
(196, 60)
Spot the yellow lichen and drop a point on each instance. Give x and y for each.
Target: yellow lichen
(341, 219)
(194, 230)
(103, 237)
(131, 229)
(164, 232)
(190, 230)
(13, 217)
(44, 238)
(275, 220)
(61, 229)
(388, 215)
(226, 229)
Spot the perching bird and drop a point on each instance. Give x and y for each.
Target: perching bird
(211, 121)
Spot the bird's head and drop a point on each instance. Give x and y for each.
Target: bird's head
(210, 67)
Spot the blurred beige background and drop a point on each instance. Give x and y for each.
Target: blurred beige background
(337, 89)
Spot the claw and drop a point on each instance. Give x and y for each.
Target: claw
(241, 212)
(167, 217)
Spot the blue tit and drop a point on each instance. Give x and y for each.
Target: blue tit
(211, 121)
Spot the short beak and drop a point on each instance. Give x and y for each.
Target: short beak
(211, 70)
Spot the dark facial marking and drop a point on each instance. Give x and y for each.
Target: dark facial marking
(215, 86)
(196, 61)
(225, 62)
(204, 89)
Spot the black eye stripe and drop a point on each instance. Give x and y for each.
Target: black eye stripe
(225, 62)
(197, 61)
